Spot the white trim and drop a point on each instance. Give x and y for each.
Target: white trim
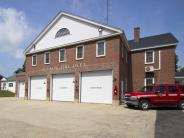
(104, 48)
(51, 87)
(64, 55)
(76, 52)
(145, 56)
(159, 57)
(148, 78)
(45, 57)
(153, 47)
(58, 16)
(36, 59)
(179, 77)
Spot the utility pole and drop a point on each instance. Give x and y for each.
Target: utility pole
(107, 11)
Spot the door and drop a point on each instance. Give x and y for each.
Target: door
(173, 95)
(21, 89)
(161, 95)
(38, 87)
(96, 87)
(63, 87)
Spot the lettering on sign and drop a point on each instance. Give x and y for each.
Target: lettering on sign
(65, 67)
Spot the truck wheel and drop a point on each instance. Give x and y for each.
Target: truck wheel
(144, 104)
(130, 106)
(181, 105)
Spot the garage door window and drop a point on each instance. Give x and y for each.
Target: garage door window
(100, 49)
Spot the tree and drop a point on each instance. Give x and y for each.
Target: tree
(178, 68)
(20, 69)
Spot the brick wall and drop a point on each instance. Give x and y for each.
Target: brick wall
(165, 75)
(90, 63)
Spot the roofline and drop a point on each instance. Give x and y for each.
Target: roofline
(51, 23)
(74, 43)
(156, 46)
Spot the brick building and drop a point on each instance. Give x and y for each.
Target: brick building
(79, 60)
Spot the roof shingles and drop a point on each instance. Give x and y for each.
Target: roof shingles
(153, 41)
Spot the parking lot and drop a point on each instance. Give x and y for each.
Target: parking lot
(25, 118)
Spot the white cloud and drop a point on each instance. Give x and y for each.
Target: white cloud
(13, 31)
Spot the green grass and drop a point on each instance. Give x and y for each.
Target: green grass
(6, 94)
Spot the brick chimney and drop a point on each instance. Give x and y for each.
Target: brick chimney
(136, 34)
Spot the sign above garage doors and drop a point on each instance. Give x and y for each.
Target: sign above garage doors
(65, 67)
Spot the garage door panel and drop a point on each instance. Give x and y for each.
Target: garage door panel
(38, 87)
(96, 87)
(63, 87)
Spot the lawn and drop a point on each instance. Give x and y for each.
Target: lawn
(6, 94)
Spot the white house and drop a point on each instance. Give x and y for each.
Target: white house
(8, 84)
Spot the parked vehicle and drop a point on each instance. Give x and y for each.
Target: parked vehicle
(156, 95)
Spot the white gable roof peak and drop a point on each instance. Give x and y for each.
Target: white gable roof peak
(71, 16)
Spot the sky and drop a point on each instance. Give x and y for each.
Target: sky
(22, 20)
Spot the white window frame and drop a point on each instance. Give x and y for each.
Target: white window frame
(148, 78)
(36, 59)
(104, 49)
(146, 56)
(64, 55)
(76, 52)
(45, 57)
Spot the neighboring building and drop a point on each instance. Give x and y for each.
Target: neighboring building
(8, 84)
(79, 60)
(179, 78)
(152, 59)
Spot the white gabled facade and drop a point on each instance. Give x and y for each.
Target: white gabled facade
(81, 29)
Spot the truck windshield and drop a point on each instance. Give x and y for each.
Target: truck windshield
(147, 89)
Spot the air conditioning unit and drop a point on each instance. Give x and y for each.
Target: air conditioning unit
(149, 69)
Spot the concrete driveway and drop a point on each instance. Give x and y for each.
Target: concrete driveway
(44, 119)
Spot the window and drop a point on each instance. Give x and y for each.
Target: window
(34, 60)
(100, 49)
(182, 88)
(79, 52)
(149, 57)
(62, 55)
(160, 89)
(62, 32)
(10, 84)
(173, 89)
(147, 89)
(149, 81)
(47, 58)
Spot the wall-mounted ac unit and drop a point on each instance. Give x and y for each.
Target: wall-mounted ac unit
(149, 69)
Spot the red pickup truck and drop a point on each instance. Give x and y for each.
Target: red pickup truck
(156, 95)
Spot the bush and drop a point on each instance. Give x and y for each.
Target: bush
(4, 93)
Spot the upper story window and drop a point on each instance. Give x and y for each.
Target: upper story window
(149, 57)
(79, 52)
(62, 32)
(100, 49)
(34, 60)
(47, 58)
(62, 55)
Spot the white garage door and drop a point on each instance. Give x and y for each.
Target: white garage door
(96, 87)
(21, 89)
(38, 87)
(63, 87)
